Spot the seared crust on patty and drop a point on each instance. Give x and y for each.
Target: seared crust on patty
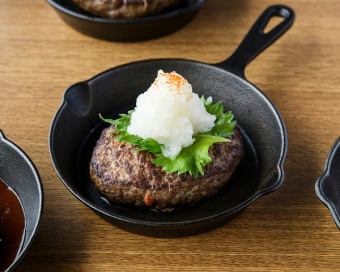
(124, 175)
(125, 8)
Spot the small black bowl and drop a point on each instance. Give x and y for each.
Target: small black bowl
(18, 171)
(127, 30)
(327, 186)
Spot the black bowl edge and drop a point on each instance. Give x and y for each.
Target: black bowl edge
(24, 248)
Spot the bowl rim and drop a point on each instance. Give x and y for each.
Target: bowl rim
(194, 7)
(279, 170)
(22, 154)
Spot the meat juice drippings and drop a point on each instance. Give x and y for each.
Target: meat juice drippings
(12, 225)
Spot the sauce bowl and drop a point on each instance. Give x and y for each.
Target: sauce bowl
(19, 173)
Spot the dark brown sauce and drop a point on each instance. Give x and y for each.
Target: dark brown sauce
(12, 225)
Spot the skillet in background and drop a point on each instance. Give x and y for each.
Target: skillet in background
(127, 30)
(76, 128)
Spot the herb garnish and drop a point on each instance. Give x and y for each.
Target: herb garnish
(191, 159)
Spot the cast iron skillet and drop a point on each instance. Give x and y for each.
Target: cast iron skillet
(76, 127)
(127, 30)
(18, 171)
(327, 186)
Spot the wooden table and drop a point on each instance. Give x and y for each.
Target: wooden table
(289, 230)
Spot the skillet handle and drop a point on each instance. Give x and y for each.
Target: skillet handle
(257, 41)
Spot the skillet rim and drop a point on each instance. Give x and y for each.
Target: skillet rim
(279, 169)
(327, 175)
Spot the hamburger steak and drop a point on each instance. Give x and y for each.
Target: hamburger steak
(125, 8)
(124, 175)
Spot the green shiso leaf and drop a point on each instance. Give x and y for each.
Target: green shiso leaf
(224, 124)
(191, 159)
(122, 124)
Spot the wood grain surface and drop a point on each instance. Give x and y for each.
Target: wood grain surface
(289, 230)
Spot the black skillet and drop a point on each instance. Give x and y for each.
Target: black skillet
(327, 186)
(127, 30)
(76, 128)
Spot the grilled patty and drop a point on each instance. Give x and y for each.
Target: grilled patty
(125, 8)
(124, 175)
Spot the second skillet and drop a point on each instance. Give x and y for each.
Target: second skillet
(76, 127)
